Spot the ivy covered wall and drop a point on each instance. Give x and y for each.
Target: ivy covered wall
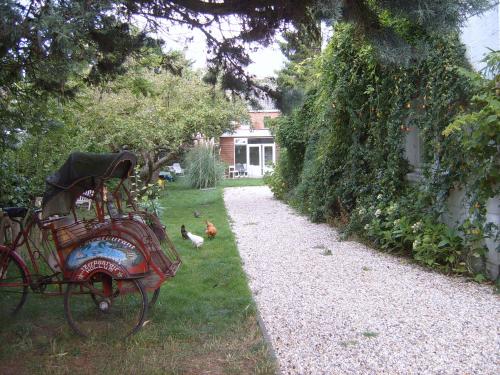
(344, 160)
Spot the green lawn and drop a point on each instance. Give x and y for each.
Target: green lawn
(204, 321)
(242, 182)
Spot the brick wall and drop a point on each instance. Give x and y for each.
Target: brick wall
(227, 150)
(257, 118)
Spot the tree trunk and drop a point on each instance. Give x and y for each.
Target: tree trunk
(150, 170)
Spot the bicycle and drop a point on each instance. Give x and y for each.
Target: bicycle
(105, 265)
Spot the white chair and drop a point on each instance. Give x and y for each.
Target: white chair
(176, 167)
(84, 199)
(241, 169)
(231, 172)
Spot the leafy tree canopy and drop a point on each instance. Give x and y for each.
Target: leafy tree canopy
(149, 110)
(47, 42)
(50, 49)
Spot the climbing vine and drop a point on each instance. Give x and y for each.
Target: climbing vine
(345, 158)
(477, 133)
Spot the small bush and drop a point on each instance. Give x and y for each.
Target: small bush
(276, 179)
(398, 226)
(204, 168)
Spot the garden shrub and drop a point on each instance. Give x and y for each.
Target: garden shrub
(399, 226)
(14, 189)
(281, 180)
(203, 167)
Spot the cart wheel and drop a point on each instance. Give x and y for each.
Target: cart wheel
(13, 286)
(154, 298)
(105, 307)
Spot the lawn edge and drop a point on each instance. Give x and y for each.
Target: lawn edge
(265, 333)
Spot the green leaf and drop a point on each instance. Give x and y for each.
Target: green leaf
(479, 278)
(369, 90)
(443, 243)
(491, 119)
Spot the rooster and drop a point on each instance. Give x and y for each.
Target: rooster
(196, 240)
(211, 229)
(184, 232)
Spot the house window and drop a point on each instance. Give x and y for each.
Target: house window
(413, 153)
(254, 156)
(240, 154)
(240, 141)
(266, 121)
(253, 141)
(268, 156)
(413, 148)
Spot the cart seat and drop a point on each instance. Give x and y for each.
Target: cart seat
(13, 212)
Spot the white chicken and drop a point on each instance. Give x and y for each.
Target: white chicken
(196, 240)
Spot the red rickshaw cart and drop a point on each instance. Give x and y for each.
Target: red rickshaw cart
(104, 265)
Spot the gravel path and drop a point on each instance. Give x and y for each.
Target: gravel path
(356, 311)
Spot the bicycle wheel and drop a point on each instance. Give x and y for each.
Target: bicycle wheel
(105, 307)
(13, 285)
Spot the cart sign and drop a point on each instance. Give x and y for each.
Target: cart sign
(99, 264)
(101, 249)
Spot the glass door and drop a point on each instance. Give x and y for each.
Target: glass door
(254, 160)
(268, 161)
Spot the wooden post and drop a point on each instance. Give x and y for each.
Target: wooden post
(3, 224)
(8, 229)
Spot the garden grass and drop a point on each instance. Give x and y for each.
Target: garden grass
(204, 321)
(236, 182)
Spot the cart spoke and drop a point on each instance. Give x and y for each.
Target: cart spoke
(110, 308)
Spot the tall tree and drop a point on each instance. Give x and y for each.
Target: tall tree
(154, 113)
(50, 48)
(48, 41)
(149, 110)
(301, 47)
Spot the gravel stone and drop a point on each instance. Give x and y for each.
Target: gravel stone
(356, 311)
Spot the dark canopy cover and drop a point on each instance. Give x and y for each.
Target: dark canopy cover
(81, 172)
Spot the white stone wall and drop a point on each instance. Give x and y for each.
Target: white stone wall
(493, 259)
(457, 212)
(480, 33)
